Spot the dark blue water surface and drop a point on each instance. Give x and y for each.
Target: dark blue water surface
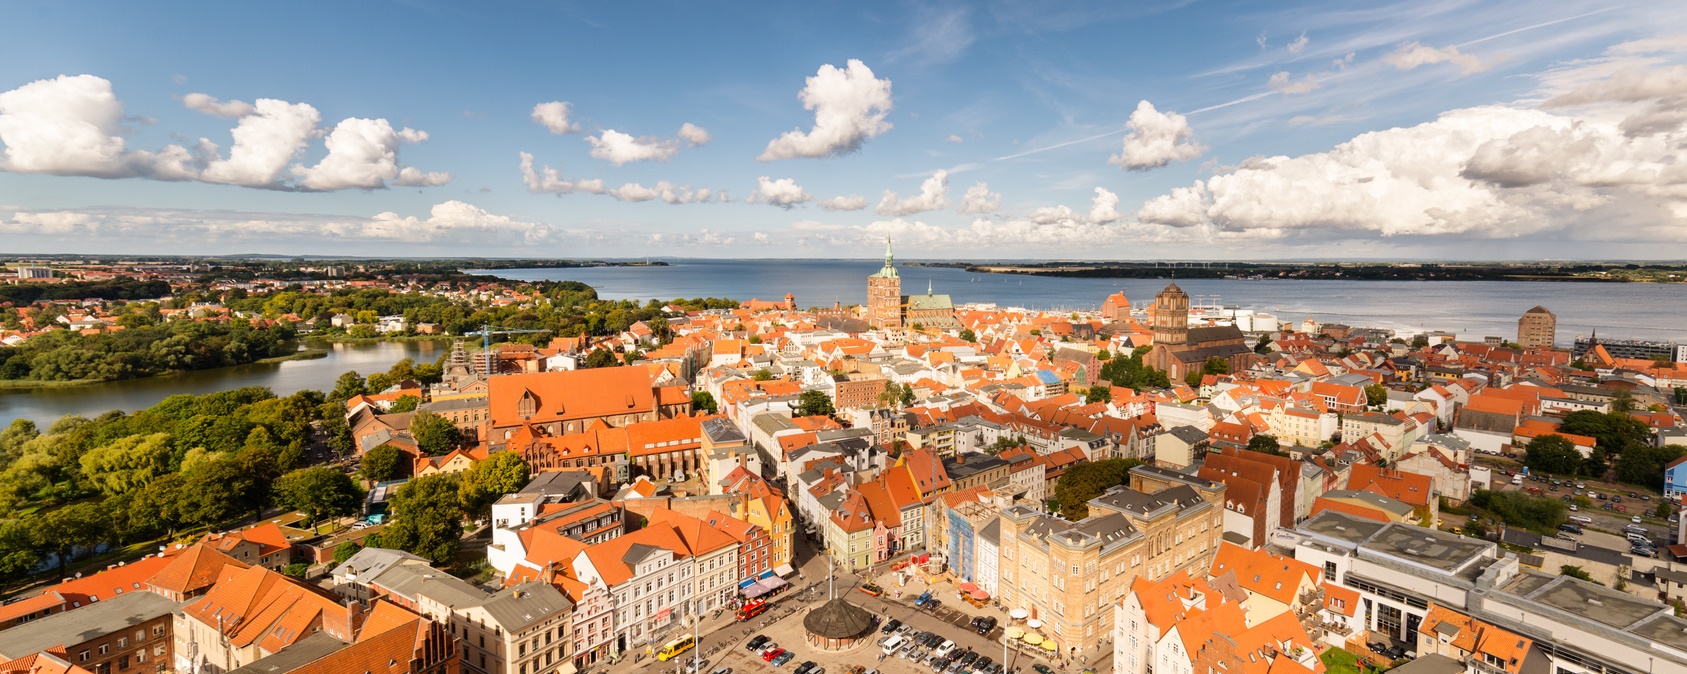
(1472, 309)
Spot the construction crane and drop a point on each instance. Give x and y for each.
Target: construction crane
(486, 332)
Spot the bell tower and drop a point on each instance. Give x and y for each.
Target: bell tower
(884, 294)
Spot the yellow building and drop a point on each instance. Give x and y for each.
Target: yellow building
(1069, 574)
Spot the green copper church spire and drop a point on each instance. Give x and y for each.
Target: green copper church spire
(889, 270)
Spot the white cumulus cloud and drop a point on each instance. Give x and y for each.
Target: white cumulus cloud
(697, 136)
(363, 154)
(844, 202)
(849, 106)
(979, 199)
(1413, 54)
(619, 148)
(69, 125)
(265, 141)
(934, 195)
(556, 116)
(209, 105)
(1156, 139)
(784, 192)
(1104, 208)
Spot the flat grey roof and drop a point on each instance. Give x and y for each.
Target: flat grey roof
(79, 626)
(517, 607)
(1666, 629)
(1428, 547)
(1343, 527)
(1618, 610)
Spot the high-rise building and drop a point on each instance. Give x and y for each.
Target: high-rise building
(1537, 328)
(35, 272)
(884, 294)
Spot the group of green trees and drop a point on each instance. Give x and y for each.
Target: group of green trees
(1129, 372)
(189, 462)
(1517, 509)
(142, 350)
(1085, 481)
(427, 513)
(115, 289)
(1622, 444)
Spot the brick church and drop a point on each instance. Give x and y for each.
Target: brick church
(887, 307)
(1179, 349)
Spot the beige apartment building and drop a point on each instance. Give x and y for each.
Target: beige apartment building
(1538, 328)
(1069, 574)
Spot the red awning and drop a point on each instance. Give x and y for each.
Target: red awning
(968, 587)
(980, 594)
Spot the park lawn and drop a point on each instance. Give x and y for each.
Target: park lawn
(1339, 661)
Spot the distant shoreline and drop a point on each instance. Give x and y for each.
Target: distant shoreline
(31, 384)
(1588, 273)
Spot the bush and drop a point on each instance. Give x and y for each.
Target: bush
(1535, 513)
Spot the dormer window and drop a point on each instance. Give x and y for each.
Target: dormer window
(528, 405)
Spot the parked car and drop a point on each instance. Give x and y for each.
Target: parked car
(1571, 528)
(773, 653)
(893, 645)
(984, 625)
(872, 589)
(891, 626)
(804, 667)
(694, 666)
(1042, 668)
(756, 642)
(933, 603)
(1635, 519)
(922, 599)
(782, 658)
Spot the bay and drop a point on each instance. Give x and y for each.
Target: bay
(1472, 309)
(46, 405)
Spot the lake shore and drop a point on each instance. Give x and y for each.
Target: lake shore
(29, 384)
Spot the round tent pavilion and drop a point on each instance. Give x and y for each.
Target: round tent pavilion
(837, 625)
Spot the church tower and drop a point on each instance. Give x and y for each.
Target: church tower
(884, 294)
(1171, 316)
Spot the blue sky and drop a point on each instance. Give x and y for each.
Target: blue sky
(1098, 130)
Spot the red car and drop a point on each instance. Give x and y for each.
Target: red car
(1622, 509)
(770, 655)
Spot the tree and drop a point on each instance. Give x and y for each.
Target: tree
(967, 335)
(907, 397)
(384, 462)
(1644, 464)
(1098, 394)
(18, 554)
(213, 492)
(763, 374)
(127, 463)
(427, 519)
(1266, 444)
(1664, 509)
(348, 386)
(1622, 402)
(435, 435)
(1552, 454)
(1614, 433)
(891, 395)
(318, 493)
(344, 551)
(601, 358)
(1263, 346)
(1085, 481)
(296, 569)
(705, 401)
(405, 403)
(814, 404)
(66, 530)
(488, 480)
(1376, 395)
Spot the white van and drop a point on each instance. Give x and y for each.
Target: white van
(1517, 479)
(1581, 519)
(894, 643)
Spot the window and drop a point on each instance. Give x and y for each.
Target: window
(140, 635)
(1330, 571)
(105, 648)
(122, 642)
